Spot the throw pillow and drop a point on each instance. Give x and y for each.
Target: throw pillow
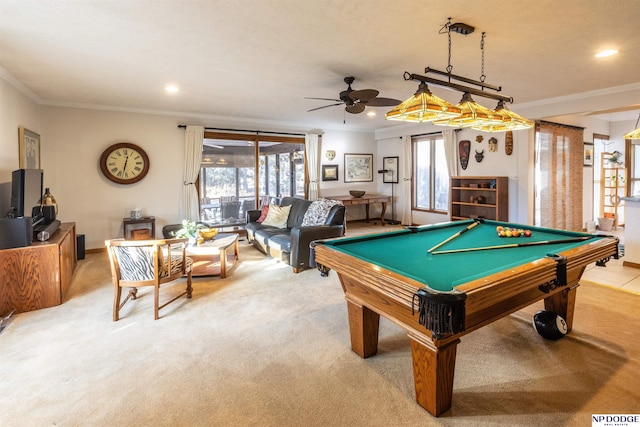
(277, 216)
(263, 214)
(318, 211)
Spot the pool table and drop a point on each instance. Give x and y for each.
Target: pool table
(441, 294)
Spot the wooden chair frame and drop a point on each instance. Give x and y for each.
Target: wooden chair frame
(158, 248)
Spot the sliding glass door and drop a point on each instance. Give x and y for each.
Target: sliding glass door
(239, 172)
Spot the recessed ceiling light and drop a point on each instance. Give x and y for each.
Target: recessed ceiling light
(605, 53)
(171, 89)
(371, 113)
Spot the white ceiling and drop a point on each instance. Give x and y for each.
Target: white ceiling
(258, 59)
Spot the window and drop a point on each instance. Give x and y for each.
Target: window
(238, 171)
(633, 183)
(558, 176)
(431, 184)
(600, 144)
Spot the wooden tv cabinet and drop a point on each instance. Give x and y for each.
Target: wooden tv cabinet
(38, 276)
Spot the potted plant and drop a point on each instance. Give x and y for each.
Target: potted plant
(615, 158)
(189, 231)
(195, 232)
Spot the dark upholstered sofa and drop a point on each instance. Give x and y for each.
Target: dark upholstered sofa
(291, 244)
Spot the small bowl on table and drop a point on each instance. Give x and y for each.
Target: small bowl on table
(207, 233)
(356, 193)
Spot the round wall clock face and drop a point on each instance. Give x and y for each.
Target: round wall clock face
(124, 163)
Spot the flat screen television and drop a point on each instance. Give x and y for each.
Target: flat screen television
(26, 193)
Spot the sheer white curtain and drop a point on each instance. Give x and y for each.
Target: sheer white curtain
(312, 153)
(451, 151)
(189, 206)
(405, 186)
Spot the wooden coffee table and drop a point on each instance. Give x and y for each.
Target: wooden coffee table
(214, 257)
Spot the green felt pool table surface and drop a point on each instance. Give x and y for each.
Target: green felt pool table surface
(406, 252)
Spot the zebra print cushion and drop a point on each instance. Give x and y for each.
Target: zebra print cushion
(136, 263)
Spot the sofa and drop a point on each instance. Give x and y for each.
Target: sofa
(289, 241)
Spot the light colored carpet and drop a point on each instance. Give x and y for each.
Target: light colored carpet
(265, 347)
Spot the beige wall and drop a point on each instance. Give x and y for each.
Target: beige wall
(16, 110)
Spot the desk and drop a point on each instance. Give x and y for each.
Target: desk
(380, 273)
(366, 201)
(130, 223)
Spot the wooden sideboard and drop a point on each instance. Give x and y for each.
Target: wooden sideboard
(38, 276)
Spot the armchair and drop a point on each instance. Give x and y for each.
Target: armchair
(136, 263)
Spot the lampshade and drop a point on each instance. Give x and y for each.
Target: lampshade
(634, 134)
(512, 121)
(472, 115)
(423, 106)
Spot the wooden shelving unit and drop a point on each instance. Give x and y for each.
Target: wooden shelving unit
(613, 186)
(479, 197)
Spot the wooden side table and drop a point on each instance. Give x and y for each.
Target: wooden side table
(132, 232)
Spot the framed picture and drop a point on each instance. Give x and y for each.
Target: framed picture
(390, 164)
(329, 172)
(358, 167)
(29, 149)
(588, 154)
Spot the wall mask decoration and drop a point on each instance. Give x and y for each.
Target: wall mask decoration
(464, 148)
(479, 138)
(331, 154)
(508, 143)
(493, 144)
(479, 156)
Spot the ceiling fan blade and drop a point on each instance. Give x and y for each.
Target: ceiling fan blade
(363, 95)
(383, 102)
(355, 108)
(325, 106)
(326, 99)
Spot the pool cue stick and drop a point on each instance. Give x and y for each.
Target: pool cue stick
(469, 227)
(514, 245)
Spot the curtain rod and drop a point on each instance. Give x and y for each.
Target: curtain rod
(432, 133)
(249, 131)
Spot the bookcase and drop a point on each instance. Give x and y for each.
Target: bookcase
(613, 186)
(479, 197)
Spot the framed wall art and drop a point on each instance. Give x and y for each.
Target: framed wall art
(588, 154)
(390, 164)
(29, 143)
(358, 167)
(329, 172)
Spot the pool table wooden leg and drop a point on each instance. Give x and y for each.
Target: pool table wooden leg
(364, 325)
(433, 369)
(563, 303)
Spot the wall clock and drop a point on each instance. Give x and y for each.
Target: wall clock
(124, 163)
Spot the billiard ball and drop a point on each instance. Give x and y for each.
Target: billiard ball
(549, 325)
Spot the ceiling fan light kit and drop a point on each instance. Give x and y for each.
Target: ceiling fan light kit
(423, 107)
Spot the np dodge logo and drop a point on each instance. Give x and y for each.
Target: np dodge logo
(615, 420)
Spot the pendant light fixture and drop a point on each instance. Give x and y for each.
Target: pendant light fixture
(511, 121)
(423, 106)
(426, 107)
(634, 134)
(472, 114)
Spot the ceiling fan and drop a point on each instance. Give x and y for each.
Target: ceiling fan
(355, 101)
